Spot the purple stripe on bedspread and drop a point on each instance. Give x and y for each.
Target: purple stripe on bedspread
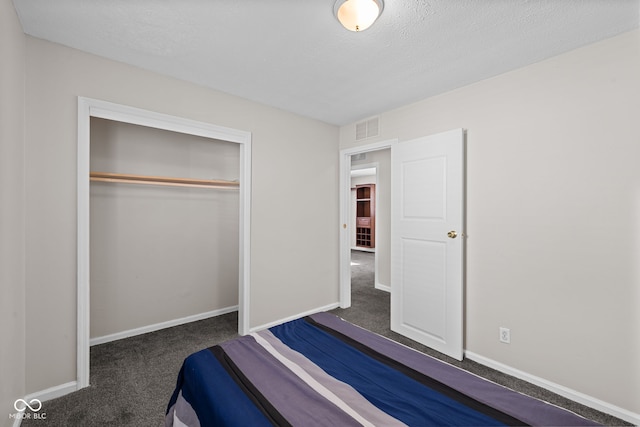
(293, 398)
(525, 408)
(343, 391)
(182, 413)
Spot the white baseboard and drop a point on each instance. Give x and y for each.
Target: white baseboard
(295, 316)
(162, 325)
(70, 387)
(44, 395)
(361, 249)
(53, 392)
(382, 287)
(574, 395)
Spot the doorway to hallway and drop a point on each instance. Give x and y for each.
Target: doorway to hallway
(371, 306)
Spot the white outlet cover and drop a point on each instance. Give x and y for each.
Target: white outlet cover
(505, 335)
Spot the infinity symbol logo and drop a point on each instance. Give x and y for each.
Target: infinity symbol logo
(37, 405)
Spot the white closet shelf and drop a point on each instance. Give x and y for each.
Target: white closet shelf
(161, 180)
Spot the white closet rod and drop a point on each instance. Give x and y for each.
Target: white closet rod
(161, 180)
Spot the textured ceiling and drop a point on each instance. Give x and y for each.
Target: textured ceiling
(294, 55)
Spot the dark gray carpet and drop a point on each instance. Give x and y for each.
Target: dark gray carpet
(132, 379)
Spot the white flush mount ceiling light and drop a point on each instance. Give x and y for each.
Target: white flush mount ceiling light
(357, 15)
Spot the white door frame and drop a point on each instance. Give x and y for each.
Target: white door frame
(345, 211)
(88, 108)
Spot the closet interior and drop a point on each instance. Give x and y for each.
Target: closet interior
(164, 227)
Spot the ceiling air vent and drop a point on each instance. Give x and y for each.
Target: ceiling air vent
(367, 129)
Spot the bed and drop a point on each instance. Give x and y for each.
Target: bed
(323, 371)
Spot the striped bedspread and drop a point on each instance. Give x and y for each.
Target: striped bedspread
(324, 371)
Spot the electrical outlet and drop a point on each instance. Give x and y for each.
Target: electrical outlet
(505, 335)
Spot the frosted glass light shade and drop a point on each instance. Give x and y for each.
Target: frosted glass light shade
(357, 15)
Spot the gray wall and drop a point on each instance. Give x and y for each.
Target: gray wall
(287, 212)
(553, 201)
(12, 226)
(160, 253)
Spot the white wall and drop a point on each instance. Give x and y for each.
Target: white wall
(160, 253)
(553, 208)
(12, 226)
(287, 212)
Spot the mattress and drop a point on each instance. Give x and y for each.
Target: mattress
(323, 371)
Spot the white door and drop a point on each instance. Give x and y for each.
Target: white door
(427, 244)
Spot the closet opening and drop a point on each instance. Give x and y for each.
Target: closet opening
(163, 223)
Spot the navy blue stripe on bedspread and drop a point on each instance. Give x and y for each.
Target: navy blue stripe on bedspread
(298, 403)
(424, 379)
(398, 395)
(197, 388)
(530, 410)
